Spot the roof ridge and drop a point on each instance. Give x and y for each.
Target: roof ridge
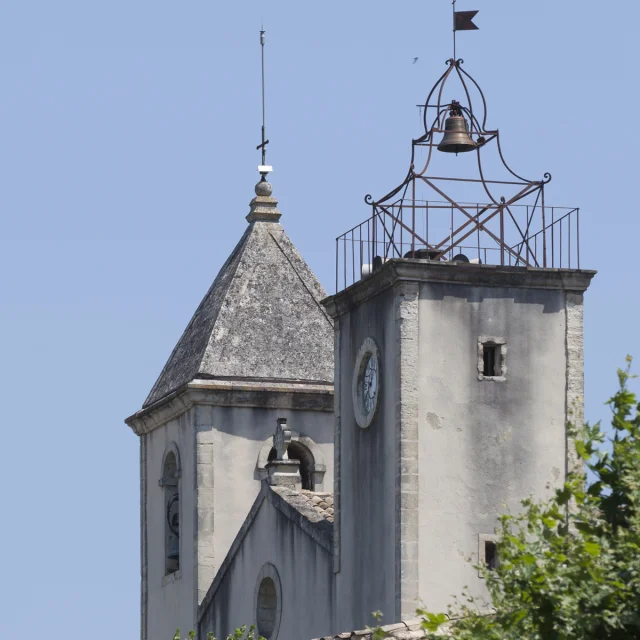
(194, 317)
(243, 241)
(304, 284)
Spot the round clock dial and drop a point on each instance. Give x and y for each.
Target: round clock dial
(370, 384)
(366, 383)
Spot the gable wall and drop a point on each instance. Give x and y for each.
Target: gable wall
(306, 577)
(229, 440)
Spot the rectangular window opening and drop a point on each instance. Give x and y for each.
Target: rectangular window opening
(490, 554)
(492, 366)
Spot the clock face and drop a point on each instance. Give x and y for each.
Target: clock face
(366, 383)
(370, 384)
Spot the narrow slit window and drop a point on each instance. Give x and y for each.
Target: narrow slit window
(490, 554)
(491, 360)
(170, 483)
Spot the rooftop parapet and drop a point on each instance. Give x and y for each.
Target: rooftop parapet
(514, 236)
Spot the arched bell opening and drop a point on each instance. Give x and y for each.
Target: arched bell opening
(302, 448)
(297, 451)
(170, 484)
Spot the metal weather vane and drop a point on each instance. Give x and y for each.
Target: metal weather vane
(462, 21)
(263, 168)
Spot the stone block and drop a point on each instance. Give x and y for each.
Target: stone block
(206, 521)
(205, 476)
(204, 452)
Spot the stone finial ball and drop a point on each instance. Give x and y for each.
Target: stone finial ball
(264, 188)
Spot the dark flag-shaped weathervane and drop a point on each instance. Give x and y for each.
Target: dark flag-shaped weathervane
(463, 20)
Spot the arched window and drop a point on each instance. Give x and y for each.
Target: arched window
(267, 607)
(170, 483)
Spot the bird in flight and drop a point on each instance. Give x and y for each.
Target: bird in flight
(415, 60)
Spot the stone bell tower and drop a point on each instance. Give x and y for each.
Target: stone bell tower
(459, 361)
(259, 347)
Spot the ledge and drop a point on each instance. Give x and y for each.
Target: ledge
(233, 393)
(484, 275)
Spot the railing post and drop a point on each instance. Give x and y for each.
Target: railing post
(561, 243)
(544, 233)
(569, 234)
(413, 218)
(337, 264)
(361, 256)
(502, 238)
(401, 228)
(353, 258)
(578, 234)
(553, 246)
(426, 214)
(344, 261)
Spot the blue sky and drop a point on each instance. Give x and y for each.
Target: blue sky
(127, 162)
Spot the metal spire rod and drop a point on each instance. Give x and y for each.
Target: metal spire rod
(263, 168)
(453, 4)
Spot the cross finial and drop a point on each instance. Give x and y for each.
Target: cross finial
(264, 169)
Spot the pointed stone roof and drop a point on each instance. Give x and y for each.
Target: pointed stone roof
(261, 319)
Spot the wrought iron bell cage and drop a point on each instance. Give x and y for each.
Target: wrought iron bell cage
(511, 230)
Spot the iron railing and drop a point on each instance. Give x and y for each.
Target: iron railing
(514, 235)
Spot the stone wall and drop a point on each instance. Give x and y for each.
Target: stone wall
(220, 436)
(229, 443)
(367, 458)
(275, 541)
(484, 443)
(452, 446)
(168, 601)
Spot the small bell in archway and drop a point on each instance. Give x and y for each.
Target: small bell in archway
(456, 137)
(173, 552)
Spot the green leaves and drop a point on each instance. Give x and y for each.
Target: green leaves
(592, 548)
(241, 633)
(432, 621)
(569, 568)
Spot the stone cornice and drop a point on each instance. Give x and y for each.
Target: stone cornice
(461, 273)
(233, 393)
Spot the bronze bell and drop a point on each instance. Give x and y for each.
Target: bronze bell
(174, 549)
(456, 137)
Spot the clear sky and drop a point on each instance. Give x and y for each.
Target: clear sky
(127, 162)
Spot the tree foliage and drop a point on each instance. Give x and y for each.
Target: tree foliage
(241, 633)
(569, 567)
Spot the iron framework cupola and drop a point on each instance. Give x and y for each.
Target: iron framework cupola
(459, 213)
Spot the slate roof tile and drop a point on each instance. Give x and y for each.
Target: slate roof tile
(260, 319)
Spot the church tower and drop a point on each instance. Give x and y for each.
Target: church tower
(258, 348)
(457, 336)
(459, 362)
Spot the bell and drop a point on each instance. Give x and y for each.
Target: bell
(174, 549)
(456, 136)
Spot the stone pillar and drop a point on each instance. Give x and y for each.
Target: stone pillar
(282, 471)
